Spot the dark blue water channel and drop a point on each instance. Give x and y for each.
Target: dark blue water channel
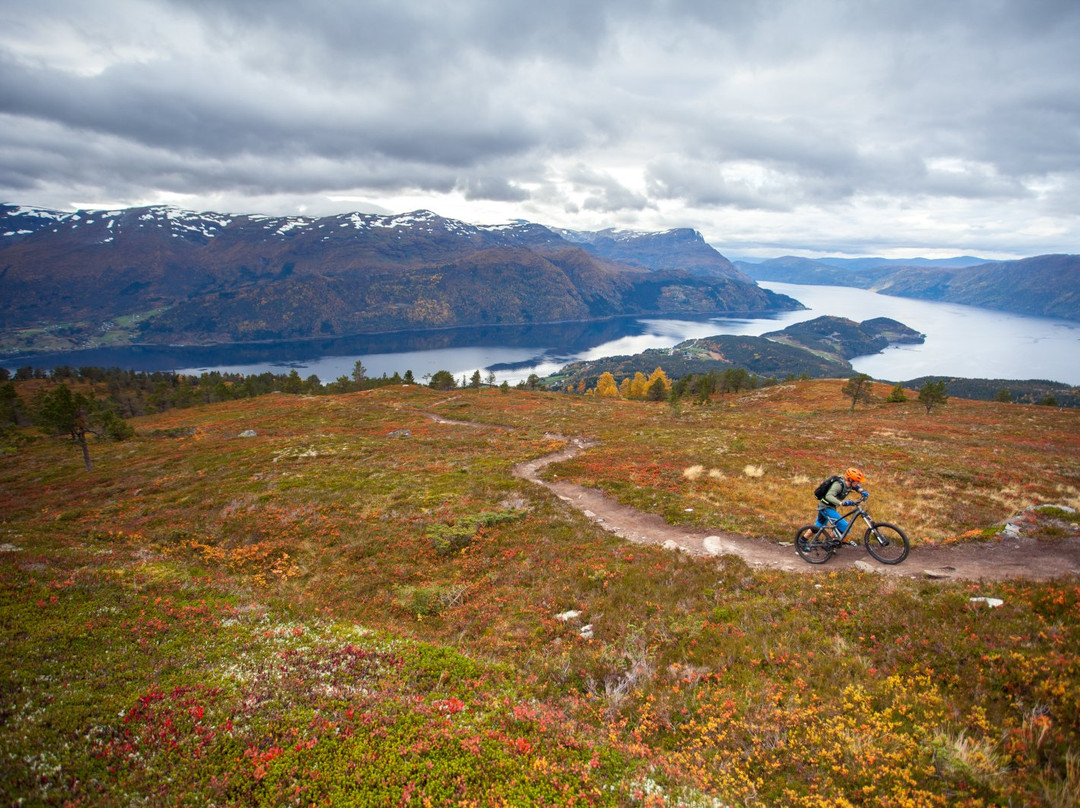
(960, 341)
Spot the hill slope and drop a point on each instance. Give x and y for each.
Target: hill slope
(1041, 286)
(352, 599)
(206, 277)
(818, 348)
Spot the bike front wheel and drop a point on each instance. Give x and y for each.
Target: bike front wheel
(814, 545)
(887, 543)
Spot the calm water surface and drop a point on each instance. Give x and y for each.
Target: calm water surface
(960, 341)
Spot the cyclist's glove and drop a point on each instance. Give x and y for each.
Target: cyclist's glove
(865, 495)
(847, 503)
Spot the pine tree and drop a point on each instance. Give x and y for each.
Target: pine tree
(932, 394)
(858, 388)
(656, 391)
(77, 415)
(442, 380)
(658, 375)
(897, 396)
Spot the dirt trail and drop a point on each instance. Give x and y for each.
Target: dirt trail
(1011, 557)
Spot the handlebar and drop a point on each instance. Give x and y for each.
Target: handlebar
(851, 502)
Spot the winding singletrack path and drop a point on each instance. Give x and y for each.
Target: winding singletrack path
(1011, 557)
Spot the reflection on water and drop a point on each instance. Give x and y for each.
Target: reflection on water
(510, 352)
(960, 341)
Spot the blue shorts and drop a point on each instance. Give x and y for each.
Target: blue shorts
(827, 514)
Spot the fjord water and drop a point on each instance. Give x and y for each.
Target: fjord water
(961, 341)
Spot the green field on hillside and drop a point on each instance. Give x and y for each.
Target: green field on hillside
(339, 600)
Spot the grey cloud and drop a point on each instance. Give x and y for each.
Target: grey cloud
(604, 193)
(414, 37)
(704, 185)
(770, 106)
(492, 188)
(176, 107)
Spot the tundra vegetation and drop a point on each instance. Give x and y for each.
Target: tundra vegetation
(337, 599)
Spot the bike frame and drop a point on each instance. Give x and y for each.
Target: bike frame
(885, 542)
(849, 516)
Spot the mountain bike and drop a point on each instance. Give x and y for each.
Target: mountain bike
(817, 543)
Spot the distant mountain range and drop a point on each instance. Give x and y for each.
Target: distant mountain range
(162, 275)
(159, 275)
(1042, 286)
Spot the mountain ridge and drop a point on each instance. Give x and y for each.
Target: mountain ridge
(1041, 286)
(200, 278)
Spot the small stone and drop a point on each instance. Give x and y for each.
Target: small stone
(249, 433)
(572, 614)
(714, 545)
(993, 603)
(586, 632)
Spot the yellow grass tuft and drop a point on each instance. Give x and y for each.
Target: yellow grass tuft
(1068, 495)
(753, 471)
(964, 757)
(693, 472)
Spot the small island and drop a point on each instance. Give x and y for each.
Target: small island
(819, 348)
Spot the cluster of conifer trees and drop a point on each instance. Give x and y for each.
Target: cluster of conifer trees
(135, 393)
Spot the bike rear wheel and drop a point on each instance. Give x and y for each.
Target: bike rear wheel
(813, 544)
(887, 543)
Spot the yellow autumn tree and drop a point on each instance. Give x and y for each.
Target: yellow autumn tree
(638, 386)
(605, 385)
(659, 374)
(655, 391)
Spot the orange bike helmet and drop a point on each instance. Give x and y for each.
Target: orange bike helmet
(853, 475)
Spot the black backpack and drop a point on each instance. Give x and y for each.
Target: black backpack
(826, 484)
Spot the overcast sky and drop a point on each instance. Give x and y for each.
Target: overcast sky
(774, 127)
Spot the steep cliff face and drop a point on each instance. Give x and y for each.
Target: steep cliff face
(681, 248)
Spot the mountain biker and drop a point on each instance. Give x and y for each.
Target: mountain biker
(836, 496)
